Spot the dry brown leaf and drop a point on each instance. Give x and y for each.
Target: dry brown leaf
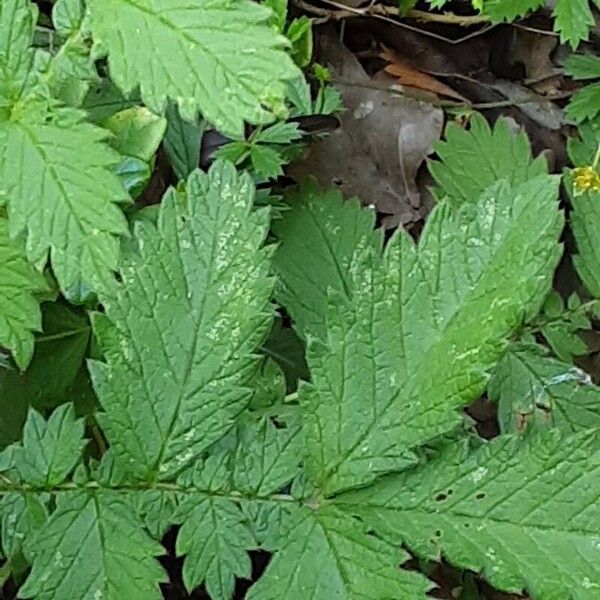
(411, 77)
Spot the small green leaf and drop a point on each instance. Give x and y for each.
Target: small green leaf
(182, 142)
(137, 132)
(280, 133)
(327, 554)
(470, 161)
(535, 391)
(50, 449)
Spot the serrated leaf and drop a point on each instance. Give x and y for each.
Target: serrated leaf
(200, 64)
(522, 512)
(67, 16)
(104, 100)
(182, 142)
(317, 239)
(330, 555)
(50, 449)
(137, 132)
(215, 537)
(22, 516)
(582, 149)
(266, 161)
(280, 133)
(573, 19)
(267, 458)
(471, 161)
(57, 183)
(17, 21)
(180, 330)
(509, 10)
(20, 313)
(585, 220)
(583, 66)
(535, 391)
(585, 104)
(381, 381)
(93, 546)
(157, 508)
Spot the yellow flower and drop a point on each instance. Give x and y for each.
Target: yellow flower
(586, 179)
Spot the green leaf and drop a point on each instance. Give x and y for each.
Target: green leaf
(287, 350)
(20, 283)
(280, 133)
(317, 240)
(328, 554)
(585, 104)
(266, 459)
(67, 16)
(93, 546)
(50, 449)
(471, 161)
(57, 182)
(56, 373)
(216, 538)
(522, 512)
(585, 222)
(137, 132)
(200, 64)
(582, 149)
(17, 22)
(182, 142)
(22, 516)
(266, 161)
(180, 330)
(583, 66)
(535, 391)
(509, 10)
(379, 389)
(104, 100)
(573, 19)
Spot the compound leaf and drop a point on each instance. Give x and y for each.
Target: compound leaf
(522, 512)
(181, 327)
(218, 57)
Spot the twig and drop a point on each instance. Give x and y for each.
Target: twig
(386, 13)
(98, 438)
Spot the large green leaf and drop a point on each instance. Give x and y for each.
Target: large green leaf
(20, 313)
(523, 513)
(328, 554)
(217, 57)
(382, 382)
(180, 329)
